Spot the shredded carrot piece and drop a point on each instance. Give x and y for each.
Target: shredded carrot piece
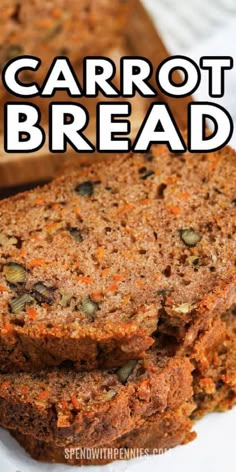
(24, 389)
(128, 230)
(76, 211)
(39, 201)
(100, 253)
(3, 289)
(96, 296)
(7, 328)
(37, 262)
(35, 238)
(55, 206)
(64, 404)
(75, 402)
(52, 226)
(105, 272)
(84, 280)
(125, 208)
(43, 395)
(118, 277)
(45, 23)
(56, 13)
(145, 201)
(174, 210)
(32, 313)
(171, 180)
(6, 384)
(184, 195)
(112, 288)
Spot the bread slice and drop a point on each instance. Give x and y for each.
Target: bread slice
(159, 433)
(92, 265)
(89, 409)
(214, 377)
(214, 384)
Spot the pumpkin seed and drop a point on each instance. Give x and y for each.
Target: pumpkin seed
(190, 237)
(14, 273)
(18, 304)
(43, 294)
(89, 307)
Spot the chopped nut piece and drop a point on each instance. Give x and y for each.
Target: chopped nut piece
(126, 370)
(184, 308)
(85, 189)
(76, 234)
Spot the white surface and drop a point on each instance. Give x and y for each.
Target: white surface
(194, 28)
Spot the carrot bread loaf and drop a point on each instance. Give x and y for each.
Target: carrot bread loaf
(74, 28)
(214, 390)
(89, 409)
(92, 265)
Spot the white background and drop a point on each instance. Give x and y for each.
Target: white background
(194, 28)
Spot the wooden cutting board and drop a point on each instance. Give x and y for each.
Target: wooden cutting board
(141, 39)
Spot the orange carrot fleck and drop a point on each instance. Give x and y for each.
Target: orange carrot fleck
(76, 211)
(6, 384)
(37, 262)
(145, 201)
(184, 195)
(96, 296)
(52, 226)
(75, 402)
(84, 280)
(7, 328)
(112, 288)
(125, 208)
(55, 206)
(100, 253)
(105, 272)
(171, 180)
(32, 313)
(64, 404)
(118, 277)
(39, 201)
(43, 395)
(174, 210)
(57, 13)
(3, 289)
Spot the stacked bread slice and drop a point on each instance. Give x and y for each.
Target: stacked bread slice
(117, 319)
